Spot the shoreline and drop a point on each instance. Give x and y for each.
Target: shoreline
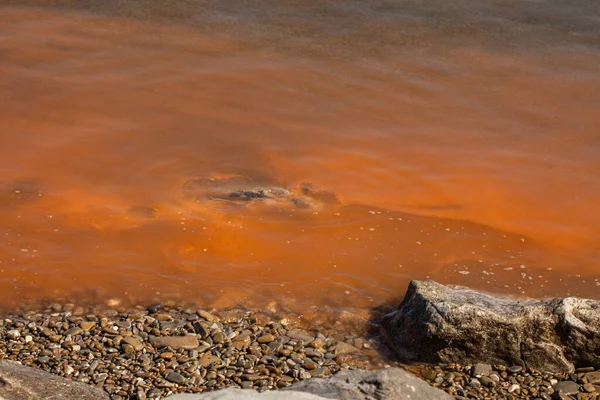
(155, 351)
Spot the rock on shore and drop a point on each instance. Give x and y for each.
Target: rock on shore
(390, 383)
(23, 383)
(245, 394)
(435, 323)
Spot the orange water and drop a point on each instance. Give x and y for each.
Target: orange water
(463, 146)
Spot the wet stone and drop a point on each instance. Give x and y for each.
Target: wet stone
(232, 316)
(156, 307)
(208, 316)
(567, 387)
(300, 334)
(345, 348)
(176, 378)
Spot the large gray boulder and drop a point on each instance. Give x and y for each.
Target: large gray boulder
(18, 382)
(385, 384)
(435, 323)
(390, 383)
(245, 394)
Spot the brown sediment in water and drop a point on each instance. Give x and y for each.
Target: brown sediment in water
(464, 164)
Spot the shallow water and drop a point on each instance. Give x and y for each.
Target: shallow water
(460, 143)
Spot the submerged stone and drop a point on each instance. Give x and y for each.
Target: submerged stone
(241, 189)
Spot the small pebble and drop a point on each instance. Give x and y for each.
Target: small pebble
(567, 387)
(515, 369)
(13, 334)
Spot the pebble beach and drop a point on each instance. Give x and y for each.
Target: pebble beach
(151, 352)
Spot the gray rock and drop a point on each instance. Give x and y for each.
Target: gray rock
(390, 383)
(435, 323)
(386, 384)
(567, 387)
(245, 394)
(23, 383)
(480, 370)
(176, 378)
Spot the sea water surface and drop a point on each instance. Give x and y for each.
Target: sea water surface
(460, 140)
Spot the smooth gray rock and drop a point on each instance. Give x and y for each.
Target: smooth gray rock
(435, 323)
(567, 387)
(385, 384)
(245, 394)
(18, 382)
